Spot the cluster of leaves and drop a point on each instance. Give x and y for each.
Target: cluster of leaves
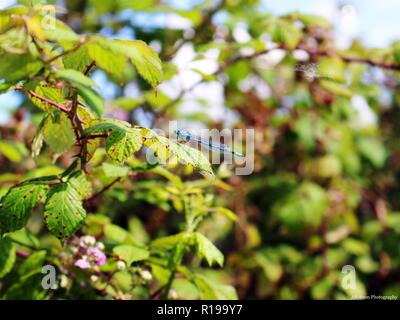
(324, 192)
(51, 63)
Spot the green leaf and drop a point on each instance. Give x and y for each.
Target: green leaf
(171, 241)
(38, 139)
(130, 253)
(34, 26)
(115, 233)
(58, 132)
(284, 32)
(5, 87)
(77, 60)
(75, 77)
(7, 256)
(396, 51)
(164, 148)
(17, 204)
(15, 67)
(13, 151)
(226, 212)
(33, 264)
(122, 140)
(50, 93)
(121, 144)
(61, 33)
(373, 150)
(332, 68)
(25, 237)
(6, 20)
(304, 207)
(312, 20)
(212, 290)
(92, 98)
(106, 58)
(206, 249)
(336, 88)
(144, 58)
(81, 184)
(113, 171)
(63, 212)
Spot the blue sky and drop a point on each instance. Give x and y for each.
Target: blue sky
(376, 23)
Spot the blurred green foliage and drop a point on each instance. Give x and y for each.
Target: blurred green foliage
(323, 194)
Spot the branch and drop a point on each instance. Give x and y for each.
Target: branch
(79, 131)
(107, 187)
(81, 41)
(89, 68)
(32, 93)
(310, 51)
(330, 53)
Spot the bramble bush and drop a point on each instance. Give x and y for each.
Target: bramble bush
(78, 192)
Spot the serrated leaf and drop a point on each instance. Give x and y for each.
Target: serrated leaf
(206, 249)
(122, 140)
(7, 256)
(164, 148)
(144, 58)
(17, 204)
(81, 184)
(63, 212)
(58, 132)
(121, 144)
(130, 253)
(107, 59)
(77, 60)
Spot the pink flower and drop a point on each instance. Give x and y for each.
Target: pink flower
(97, 255)
(82, 263)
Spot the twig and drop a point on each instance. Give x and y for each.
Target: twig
(107, 187)
(79, 132)
(32, 93)
(319, 52)
(89, 67)
(310, 51)
(82, 41)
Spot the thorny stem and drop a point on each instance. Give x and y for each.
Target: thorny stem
(89, 68)
(32, 93)
(79, 131)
